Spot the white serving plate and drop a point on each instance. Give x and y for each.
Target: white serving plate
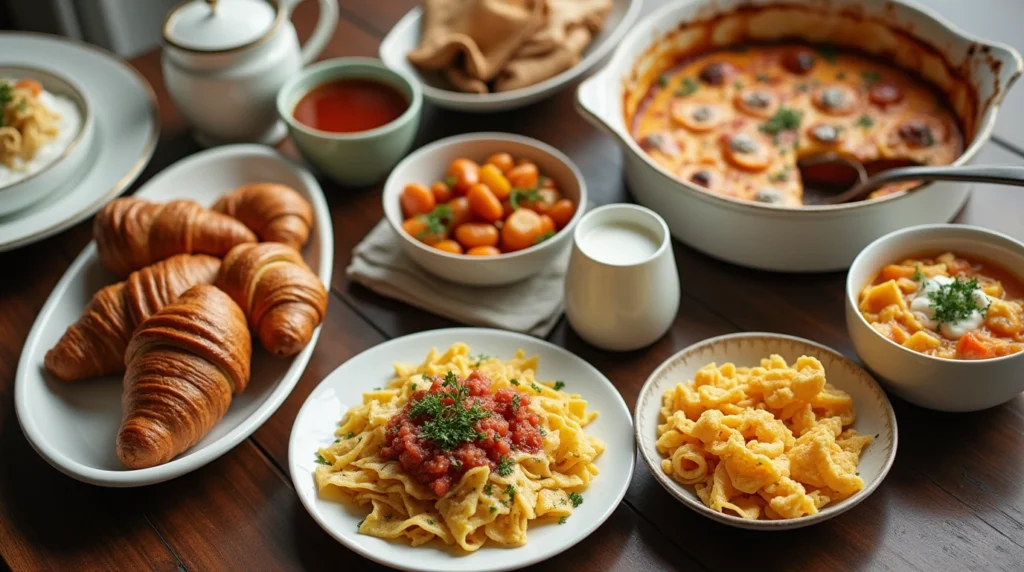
(315, 424)
(125, 132)
(874, 415)
(404, 37)
(810, 238)
(74, 425)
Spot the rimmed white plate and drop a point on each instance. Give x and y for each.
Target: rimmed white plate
(404, 37)
(126, 130)
(874, 414)
(74, 425)
(314, 427)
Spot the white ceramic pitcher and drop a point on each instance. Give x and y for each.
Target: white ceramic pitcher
(225, 60)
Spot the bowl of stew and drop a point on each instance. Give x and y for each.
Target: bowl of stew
(937, 312)
(352, 118)
(485, 209)
(721, 106)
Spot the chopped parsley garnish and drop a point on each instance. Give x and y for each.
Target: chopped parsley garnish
(785, 119)
(865, 121)
(449, 421)
(505, 466)
(870, 77)
(480, 358)
(436, 221)
(563, 520)
(738, 84)
(514, 381)
(510, 492)
(559, 385)
(917, 277)
(780, 176)
(488, 489)
(576, 499)
(536, 388)
(763, 78)
(388, 517)
(430, 521)
(688, 87)
(415, 387)
(518, 196)
(321, 460)
(493, 509)
(350, 435)
(6, 96)
(544, 237)
(450, 181)
(828, 53)
(516, 401)
(955, 301)
(663, 79)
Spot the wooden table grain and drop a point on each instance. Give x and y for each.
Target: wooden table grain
(954, 499)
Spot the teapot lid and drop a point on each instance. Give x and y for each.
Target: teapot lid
(221, 25)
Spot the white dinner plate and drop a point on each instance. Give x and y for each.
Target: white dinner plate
(874, 414)
(405, 35)
(314, 428)
(126, 130)
(74, 425)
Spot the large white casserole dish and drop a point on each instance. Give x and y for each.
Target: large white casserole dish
(974, 74)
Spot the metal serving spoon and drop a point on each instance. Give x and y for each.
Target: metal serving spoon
(1000, 174)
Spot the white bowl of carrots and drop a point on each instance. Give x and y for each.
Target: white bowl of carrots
(485, 209)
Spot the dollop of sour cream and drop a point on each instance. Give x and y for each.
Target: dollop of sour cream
(923, 308)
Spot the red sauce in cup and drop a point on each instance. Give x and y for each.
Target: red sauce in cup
(350, 105)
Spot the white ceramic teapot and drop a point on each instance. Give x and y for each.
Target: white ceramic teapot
(225, 60)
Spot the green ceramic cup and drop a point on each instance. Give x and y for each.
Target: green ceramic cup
(352, 159)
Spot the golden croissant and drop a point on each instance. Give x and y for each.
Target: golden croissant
(275, 212)
(184, 364)
(282, 297)
(95, 344)
(131, 233)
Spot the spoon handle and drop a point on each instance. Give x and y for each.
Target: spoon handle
(1000, 174)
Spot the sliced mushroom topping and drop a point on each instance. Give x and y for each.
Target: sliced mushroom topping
(825, 133)
(769, 196)
(701, 177)
(884, 94)
(916, 134)
(836, 99)
(698, 116)
(743, 143)
(799, 61)
(715, 73)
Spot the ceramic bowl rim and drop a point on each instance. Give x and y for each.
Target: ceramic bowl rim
(80, 100)
(330, 68)
(568, 230)
(675, 489)
(983, 234)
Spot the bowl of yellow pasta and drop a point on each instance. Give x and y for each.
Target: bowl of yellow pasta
(765, 431)
(46, 128)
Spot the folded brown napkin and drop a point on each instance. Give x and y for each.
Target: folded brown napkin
(531, 307)
(502, 45)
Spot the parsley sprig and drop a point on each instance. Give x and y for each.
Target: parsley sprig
(955, 301)
(505, 467)
(785, 119)
(437, 221)
(449, 421)
(519, 196)
(6, 97)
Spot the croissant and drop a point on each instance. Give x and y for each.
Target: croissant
(282, 297)
(184, 364)
(131, 233)
(95, 344)
(275, 212)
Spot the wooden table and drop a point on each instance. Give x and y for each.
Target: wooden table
(954, 499)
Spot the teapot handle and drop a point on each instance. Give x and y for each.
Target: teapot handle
(325, 26)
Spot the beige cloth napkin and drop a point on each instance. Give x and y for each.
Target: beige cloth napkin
(531, 307)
